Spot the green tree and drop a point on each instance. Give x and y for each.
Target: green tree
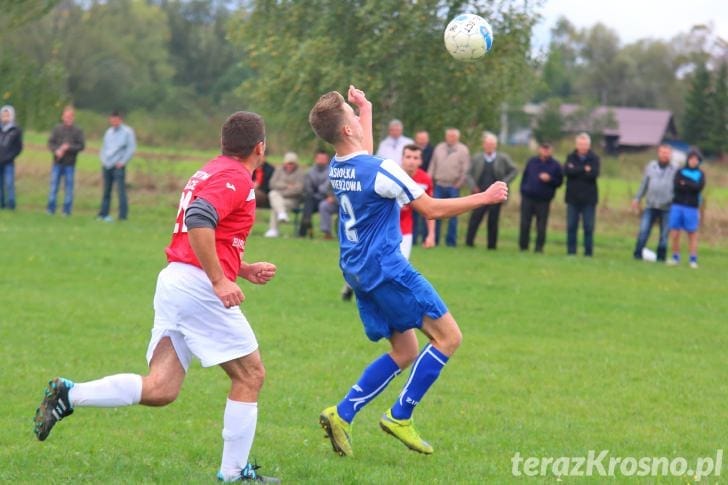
(392, 49)
(16, 13)
(718, 139)
(697, 108)
(200, 52)
(114, 54)
(549, 123)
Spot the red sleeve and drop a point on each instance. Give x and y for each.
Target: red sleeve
(226, 191)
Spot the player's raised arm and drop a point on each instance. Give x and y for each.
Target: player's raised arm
(358, 99)
(433, 208)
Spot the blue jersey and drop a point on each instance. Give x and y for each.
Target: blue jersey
(370, 191)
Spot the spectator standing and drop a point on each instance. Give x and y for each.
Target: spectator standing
(11, 144)
(116, 152)
(419, 225)
(392, 146)
(657, 189)
(684, 212)
(286, 191)
(315, 189)
(541, 177)
(261, 183)
(65, 143)
(485, 168)
(449, 170)
(582, 194)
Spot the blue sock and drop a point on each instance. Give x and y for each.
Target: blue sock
(676, 257)
(373, 381)
(693, 258)
(425, 372)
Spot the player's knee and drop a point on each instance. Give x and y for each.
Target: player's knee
(259, 375)
(158, 393)
(450, 342)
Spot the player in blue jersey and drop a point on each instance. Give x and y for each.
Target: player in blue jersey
(393, 298)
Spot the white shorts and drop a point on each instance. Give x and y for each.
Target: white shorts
(406, 245)
(187, 310)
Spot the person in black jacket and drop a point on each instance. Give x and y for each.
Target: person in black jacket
(684, 212)
(541, 177)
(11, 144)
(581, 170)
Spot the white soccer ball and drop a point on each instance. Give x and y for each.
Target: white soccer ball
(468, 37)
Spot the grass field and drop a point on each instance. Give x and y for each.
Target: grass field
(560, 355)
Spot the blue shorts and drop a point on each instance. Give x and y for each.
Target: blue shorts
(398, 304)
(684, 218)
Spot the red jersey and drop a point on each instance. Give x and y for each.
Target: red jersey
(405, 213)
(228, 186)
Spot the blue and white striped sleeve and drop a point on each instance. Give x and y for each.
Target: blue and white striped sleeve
(392, 182)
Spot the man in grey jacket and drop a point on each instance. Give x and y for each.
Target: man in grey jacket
(657, 189)
(487, 167)
(449, 171)
(118, 148)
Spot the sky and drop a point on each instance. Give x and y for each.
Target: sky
(635, 19)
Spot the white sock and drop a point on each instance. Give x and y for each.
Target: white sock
(237, 434)
(108, 392)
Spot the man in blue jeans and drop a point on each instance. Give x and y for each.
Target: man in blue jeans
(449, 170)
(657, 189)
(118, 148)
(581, 170)
(65, 142)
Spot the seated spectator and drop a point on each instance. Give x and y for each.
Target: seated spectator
(286, 190)
(261, 182)
(327, 209)
(315, 189)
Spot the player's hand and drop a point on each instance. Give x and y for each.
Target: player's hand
(358, 98)
(635, 205)
(258, 273)
(545, 177)
(228, 292)
(496, 193)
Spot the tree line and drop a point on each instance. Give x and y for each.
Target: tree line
(200, 59)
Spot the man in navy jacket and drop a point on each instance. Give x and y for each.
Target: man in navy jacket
(541, 177)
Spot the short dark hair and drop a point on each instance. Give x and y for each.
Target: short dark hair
(240, 133)
(327, 115)
(322, 151)
(116, 113)
(411, 147)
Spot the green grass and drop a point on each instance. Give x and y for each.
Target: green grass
(560, 355)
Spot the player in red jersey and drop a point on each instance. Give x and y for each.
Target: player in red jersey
(196, 305)
(411, 161)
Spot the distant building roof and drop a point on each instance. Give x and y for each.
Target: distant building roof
(635, 127)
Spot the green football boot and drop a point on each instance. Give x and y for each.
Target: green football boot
(404, 430)
(338, 431)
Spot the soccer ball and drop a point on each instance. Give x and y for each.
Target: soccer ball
(468, 37)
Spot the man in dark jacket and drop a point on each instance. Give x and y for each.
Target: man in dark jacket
(65, 142)
(487, 167)
(581, 170)
(541, 177)
(11, 144)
